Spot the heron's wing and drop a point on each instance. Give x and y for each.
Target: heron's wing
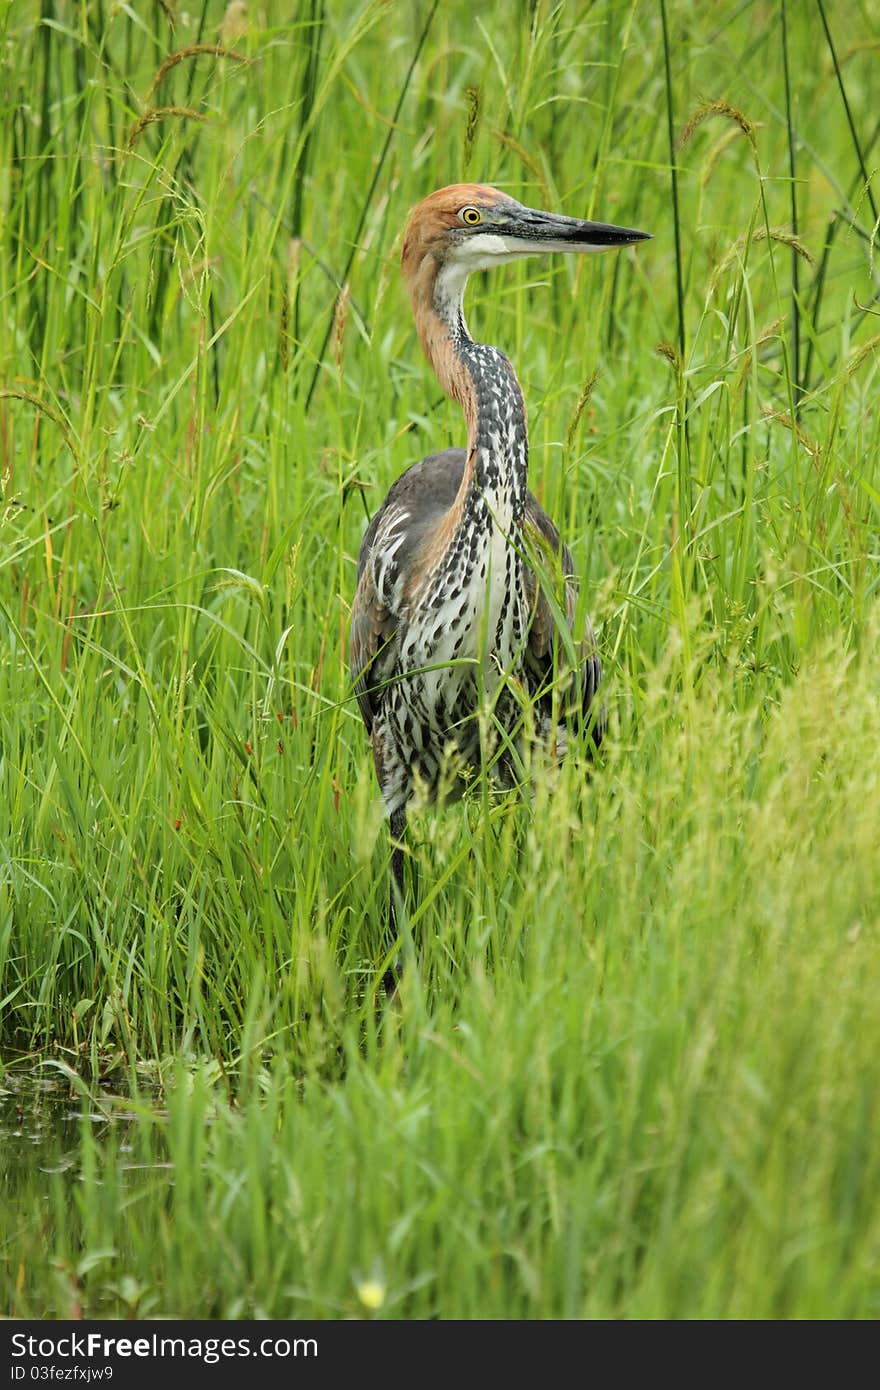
(543, 648)
(372, 633)
(388, 557)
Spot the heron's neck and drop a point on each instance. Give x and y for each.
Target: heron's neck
(498, 446)
(482, 380)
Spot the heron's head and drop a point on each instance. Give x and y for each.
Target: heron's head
(470, 226)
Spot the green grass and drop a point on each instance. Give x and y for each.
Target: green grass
(636, 1062)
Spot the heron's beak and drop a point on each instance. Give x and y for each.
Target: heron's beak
(527, 231)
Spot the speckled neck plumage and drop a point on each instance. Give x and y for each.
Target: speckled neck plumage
(473, 579)
(498, 436)
(491, 499)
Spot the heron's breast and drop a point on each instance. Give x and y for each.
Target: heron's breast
(468, 622)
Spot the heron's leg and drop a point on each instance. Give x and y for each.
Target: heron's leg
(395, 893)
(398, 831)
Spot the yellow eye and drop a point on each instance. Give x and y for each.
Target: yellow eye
(470, 216)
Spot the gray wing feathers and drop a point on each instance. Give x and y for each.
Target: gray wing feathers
(414, 504)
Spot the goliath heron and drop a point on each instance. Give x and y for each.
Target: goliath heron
(449, 613)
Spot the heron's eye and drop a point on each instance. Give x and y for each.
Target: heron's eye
(470, 216)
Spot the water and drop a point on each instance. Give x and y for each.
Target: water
(42, 1113)
(40, 1119)
(52, 1178)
